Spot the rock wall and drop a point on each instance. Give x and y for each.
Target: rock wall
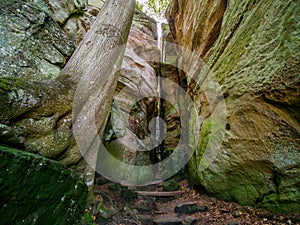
(34, 50)
(251, 48)
(32, 45)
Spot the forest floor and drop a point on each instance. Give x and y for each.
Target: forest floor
(116, 205)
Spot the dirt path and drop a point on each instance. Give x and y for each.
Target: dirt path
(116, 205)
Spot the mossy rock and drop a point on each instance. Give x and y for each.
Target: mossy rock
(252, 52)
(114, 187)
(36, 190)
(128, 194)
(186, 208)
(171, 185)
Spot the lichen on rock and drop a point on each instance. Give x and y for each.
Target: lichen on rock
(33, 46)
(251, 49)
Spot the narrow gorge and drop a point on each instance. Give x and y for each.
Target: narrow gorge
(110, 115)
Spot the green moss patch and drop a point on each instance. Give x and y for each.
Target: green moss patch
(35, 190)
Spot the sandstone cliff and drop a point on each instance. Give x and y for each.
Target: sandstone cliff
(251, 47)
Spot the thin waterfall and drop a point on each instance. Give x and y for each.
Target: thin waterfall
(159, 126)
(159, 150)
(159, 34)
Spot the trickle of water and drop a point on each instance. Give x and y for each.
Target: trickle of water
(159, 46)
(159, 34)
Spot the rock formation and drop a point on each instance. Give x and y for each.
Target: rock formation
(251, 48)
(36, 190)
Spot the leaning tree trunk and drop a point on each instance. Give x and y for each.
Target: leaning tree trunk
(94, 68)
(88, 80)
(95, 64)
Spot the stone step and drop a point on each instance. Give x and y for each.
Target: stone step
(175, 194)
(186, 208)
(167, 220)
(189, 208)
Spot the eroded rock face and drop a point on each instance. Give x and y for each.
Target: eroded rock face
(36, 190)
(168, 70)
(251, 49)
(32, 45)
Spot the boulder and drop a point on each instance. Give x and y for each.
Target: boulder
(36, 190)
(251, 49)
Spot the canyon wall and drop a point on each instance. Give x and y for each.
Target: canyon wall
(251, 49)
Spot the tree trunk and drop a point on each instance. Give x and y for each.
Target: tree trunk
(84, 87)
(94, 67)
(95, 64)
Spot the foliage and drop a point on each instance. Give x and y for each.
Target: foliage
(88, 219)
(155, 8)
(139, 6)
(158, 6)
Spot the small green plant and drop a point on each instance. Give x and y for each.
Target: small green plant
(88, 218)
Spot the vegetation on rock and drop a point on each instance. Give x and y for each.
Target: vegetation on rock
(250, 47)
(36, 190)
